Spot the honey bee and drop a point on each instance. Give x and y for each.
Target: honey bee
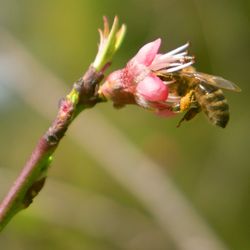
(200, 92)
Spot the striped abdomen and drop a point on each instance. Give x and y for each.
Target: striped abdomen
(213, 103)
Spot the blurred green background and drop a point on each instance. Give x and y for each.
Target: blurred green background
(88, 205)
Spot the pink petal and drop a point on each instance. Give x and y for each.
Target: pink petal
(152, 89)
(165, 113)
(148, 52)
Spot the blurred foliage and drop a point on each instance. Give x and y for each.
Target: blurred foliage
(209, 165)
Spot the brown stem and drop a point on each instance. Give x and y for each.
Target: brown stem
(32, 177)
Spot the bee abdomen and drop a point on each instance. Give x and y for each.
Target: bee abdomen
(213, 103)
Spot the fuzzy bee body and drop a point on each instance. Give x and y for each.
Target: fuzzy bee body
(213, 103)
(200, 92)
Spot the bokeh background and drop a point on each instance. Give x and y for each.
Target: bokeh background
(125, 179)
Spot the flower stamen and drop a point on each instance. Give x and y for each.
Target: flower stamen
(173, 69)
(175, 51)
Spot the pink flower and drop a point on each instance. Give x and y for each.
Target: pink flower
(139, 82)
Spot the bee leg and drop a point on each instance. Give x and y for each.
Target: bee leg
(190, 114)
(187, 101)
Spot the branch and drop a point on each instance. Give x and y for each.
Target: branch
(84, 94)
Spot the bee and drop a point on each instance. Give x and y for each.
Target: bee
(200, 92)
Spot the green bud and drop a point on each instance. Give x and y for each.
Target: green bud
(110, 41)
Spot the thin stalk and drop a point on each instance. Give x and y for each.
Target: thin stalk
(84, 94)
(33, 175)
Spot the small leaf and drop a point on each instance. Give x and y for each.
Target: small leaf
(110, 41)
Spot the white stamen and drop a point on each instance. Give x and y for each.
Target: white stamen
(175, 64)
(173, 98)
(182, 53)
(166, 58)
(173, 52)
(169, 82)
(172, 61)
(182, 66)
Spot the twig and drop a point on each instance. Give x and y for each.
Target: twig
(84, 94)
(33, 175)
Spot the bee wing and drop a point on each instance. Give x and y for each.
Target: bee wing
(217, 81)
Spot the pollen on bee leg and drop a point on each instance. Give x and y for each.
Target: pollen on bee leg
(186, 101)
